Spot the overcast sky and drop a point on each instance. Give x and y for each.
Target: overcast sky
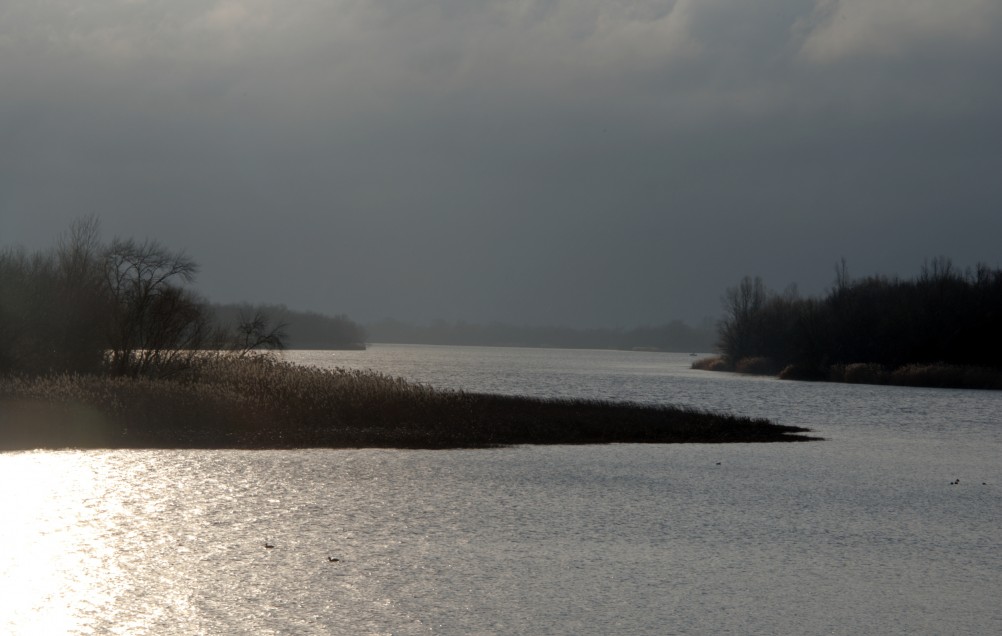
(582, 162)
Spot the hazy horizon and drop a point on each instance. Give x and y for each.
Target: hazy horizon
(550, 162)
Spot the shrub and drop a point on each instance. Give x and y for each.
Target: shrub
(713, 363)
(758, 365)
(864, 373)
(802, 372)
(946, 376)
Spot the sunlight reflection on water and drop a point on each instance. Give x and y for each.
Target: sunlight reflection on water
(860, 534)
(53, 548)
(594, 540)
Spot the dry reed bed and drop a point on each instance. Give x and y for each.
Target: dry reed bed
(262, 403)
(940, 375)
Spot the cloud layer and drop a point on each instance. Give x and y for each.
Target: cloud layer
(585, 162)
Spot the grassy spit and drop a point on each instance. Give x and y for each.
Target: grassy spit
(263, 403)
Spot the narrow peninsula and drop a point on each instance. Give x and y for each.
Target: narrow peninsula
(261, 403)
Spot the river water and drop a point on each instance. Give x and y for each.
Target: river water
(866, 532)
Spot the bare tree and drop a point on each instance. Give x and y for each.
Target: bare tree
(124, 307)
(81, 334)
(29, 314)
(78, 252)
(257, 332)
(156, 324)
(842, 279)
(742, 306)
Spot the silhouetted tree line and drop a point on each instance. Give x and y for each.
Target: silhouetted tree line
(673, 336)
(300, 329)
(943, 316)
(123, 308)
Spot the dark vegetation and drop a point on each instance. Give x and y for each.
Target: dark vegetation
(941, 329)
(673, 336)
(257, 402)
(124, 308)
(301, 329)
(106, 346)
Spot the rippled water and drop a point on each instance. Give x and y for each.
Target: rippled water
(863, 533)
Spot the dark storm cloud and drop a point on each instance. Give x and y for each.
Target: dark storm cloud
(564, 161)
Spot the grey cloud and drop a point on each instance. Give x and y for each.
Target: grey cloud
(591, 162)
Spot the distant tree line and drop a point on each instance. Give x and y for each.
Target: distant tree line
(673, 336)
(124, 308)
(299, 329)
(943, 316)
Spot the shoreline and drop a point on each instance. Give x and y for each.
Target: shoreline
(930, 376)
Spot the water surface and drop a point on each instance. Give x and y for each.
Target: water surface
(863, 533)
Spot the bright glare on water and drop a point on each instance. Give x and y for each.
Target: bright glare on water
(862, 533)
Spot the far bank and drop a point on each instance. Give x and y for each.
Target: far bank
(940, 375)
